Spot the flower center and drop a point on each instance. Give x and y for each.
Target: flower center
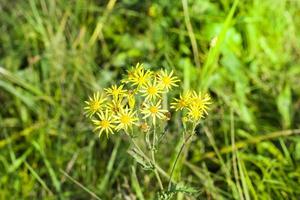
(152, 90)
(95, 105)
(182, 103)
(125, 119)
(115, 92)
(166, 80)
(142, 80)
(105, 123)
(153, 109)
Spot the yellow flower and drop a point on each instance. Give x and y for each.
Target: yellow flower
(104, 123)
(194, 114)
(151, 90)
(94, 104)
(130, 100)
(167, 80)
(195, 103)
(125, 119)
(115, 105)
(132, 72)
(182, 102)
(139, 76)
(198, 106)
(200, 101)
(115, 91)
(154, 111)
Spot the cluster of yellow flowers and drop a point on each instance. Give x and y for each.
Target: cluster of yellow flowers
(138, 102)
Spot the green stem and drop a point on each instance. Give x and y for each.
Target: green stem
(186, 140)
(156, 167)
(153, 159)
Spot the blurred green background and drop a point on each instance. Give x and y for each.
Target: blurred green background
(54, 53)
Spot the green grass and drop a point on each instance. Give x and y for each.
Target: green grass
(53, 54)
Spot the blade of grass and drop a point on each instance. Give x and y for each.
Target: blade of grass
(234, 157)
(49, 167)
(13, 78)
(80, 185)
(38, 178)
(213, 54)
(19, 161)
(109, 168)
(189, 28)
(248, 180)
(135, 184)
(242, 177)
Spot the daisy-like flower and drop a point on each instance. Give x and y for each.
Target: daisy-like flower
(94, 104)
(167, 80)
(131, 73)
(154, 111)
(182, 102)
(200, 101)
(194, 114)
(104, 123)
(125, 119)
(130, 100)
(151, 90)
(139, 76)
(115, 91)
(115, 105)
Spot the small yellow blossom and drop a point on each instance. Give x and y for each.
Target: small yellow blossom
(125, 119)
(94, 104)
(151, 90)
(104, 123)
(115, 105)
(200, 101)
(131, 73)
(131, 100)
(182, 102)
(194, 114)
(115, 91)
(139, 76)
(195, 103)
(167, 80)
(154, 111)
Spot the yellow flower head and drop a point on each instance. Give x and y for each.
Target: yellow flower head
(167, 80)
(182, 102)
(115, 105)
(194, 114)
(139, 76)
(151, 90)
(200, 101)
(154, 111)
(195, 103)
(130, 100)
(125, 119)
(104, 123)
(94, 104)
(115, 91)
